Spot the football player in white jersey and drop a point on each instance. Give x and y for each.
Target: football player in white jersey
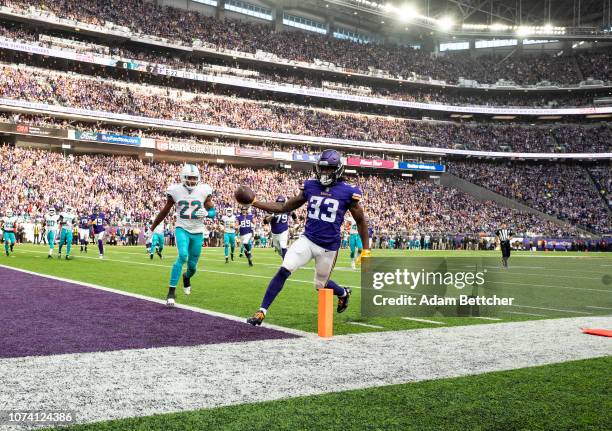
(193, 203)
(66, 220)
(9, 226)
(51, 223)
(229, 224)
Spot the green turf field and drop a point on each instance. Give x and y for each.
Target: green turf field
(236, 289)
(568, 396)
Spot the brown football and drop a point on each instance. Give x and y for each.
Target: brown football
(244, 195)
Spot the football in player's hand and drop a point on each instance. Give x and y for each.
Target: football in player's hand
(244, 195)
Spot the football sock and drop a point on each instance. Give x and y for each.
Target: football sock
(275, 286)
(283, 252)
(101, 247)
(338, 290)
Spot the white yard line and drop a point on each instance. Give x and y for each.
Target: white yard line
(598, 308)
(128, 383)
(414, 319)
(497, 319)
(525, 314)
(367, 325)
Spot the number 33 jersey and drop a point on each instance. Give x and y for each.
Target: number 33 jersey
(326, 207)
(187, 204)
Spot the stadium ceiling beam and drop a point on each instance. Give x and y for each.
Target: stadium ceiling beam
(469, 8)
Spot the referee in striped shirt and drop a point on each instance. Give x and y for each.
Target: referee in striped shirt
(504, 235)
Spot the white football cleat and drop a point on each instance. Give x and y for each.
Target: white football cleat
(101, 256)
(170, 302)
(353, 265)
(187, 290)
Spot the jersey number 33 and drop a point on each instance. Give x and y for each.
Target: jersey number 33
(322, 208)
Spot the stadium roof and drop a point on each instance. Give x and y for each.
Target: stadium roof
(389, 16)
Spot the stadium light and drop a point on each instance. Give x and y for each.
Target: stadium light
(147, 154)
(406, 175)
(220, 161)
(350, 171)
(407, 12)
(66, 146)
(446, 23)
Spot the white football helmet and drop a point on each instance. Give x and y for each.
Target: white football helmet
(190, 176)
(52, 211)
(229, 212)
(9, 212)
(68, 209)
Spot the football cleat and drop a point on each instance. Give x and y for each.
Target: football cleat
(250, 262)
(226, 260)
(343, 302)
(186, 285)
(151, 256)
(240, 255)
(159, 254)
(101, 256)
(232, 256)
(68, 257)
(170, 297)
(49, 256)
(256, 318)
(12, 245)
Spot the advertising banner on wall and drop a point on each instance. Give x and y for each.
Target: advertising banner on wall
(253, 152)
(414, 166)
(371, 163)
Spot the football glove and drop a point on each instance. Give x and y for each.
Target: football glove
(364, 253)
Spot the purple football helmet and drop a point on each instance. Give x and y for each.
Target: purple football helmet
(281, 199)
(329, 158)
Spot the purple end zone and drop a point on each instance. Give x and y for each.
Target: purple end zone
(43, 316)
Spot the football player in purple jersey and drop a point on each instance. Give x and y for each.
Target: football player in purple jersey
(98, 221)
(279, 225)
(245, 223)
(327, 198)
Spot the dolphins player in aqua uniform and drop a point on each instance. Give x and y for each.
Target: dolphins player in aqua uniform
(66, 219)
(9, 225)
(193, 202)
(51, 223)
(327, 198)
(355, 244)
(229, 233)
(157, 240)
(245, 223)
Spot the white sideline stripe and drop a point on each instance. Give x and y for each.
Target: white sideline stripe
(487, 318)
(367, 325)
(551, 309)
(525, 314)
(128, 383)
(598, 308)
(414, 319)
(553, 287)
(161, 301)
(241, 274)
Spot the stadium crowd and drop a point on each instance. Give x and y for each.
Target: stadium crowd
(311, 80)
(131, 190)
(148, 18)
(113, 96)
(564, 191)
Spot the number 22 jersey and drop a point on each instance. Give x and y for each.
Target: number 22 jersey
(187, 203)
(326, 206)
